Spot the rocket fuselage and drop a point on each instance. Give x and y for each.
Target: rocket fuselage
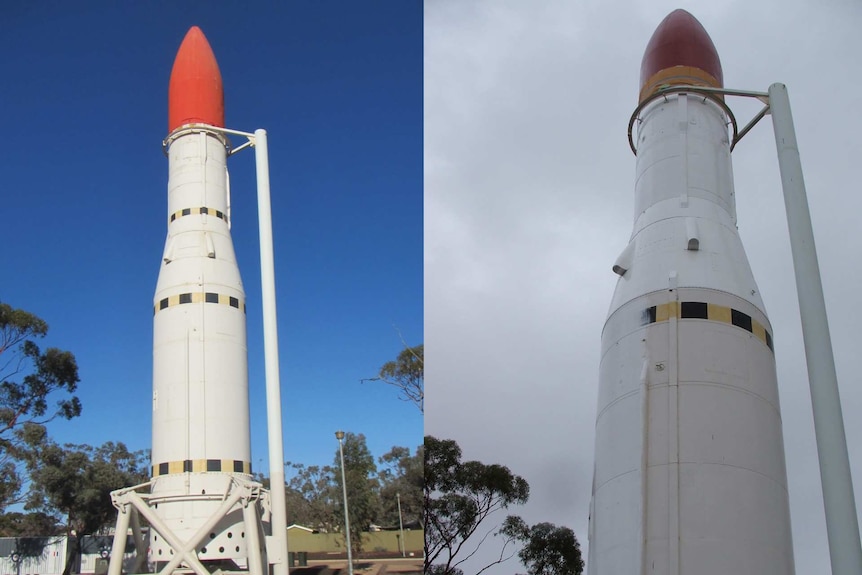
(200, 376)
(690, 472)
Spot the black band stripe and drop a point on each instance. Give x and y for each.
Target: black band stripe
(709, 312)
(198, 297)
(201, 466)
(195, 211)
(740, 319)
(694, 310)
(649, 315)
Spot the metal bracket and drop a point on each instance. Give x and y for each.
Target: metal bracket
(221, 133)
(711, 94)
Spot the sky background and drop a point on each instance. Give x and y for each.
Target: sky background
(529, 185)
(84, 201)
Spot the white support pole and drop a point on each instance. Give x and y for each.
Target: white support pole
(842, 525)
(118, 547)
(141, 545)
(270, 346)
(252, 529)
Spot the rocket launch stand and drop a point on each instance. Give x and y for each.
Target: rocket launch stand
(248, 495)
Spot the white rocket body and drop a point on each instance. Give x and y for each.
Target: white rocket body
(200, 374)
(690, 471)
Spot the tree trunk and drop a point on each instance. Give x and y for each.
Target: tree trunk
(73, 552)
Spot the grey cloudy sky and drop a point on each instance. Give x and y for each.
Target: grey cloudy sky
(529, 185)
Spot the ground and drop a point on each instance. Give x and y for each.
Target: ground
(400, 566)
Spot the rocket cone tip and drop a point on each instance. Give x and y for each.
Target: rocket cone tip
(680, 52)
(195, 92)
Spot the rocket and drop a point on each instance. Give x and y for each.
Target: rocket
(201, 443)
(690, 474)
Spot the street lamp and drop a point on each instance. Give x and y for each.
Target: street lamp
(339, 435)
(401, 526)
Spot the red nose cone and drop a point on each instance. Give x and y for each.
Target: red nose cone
(195, 93)
(680, 52)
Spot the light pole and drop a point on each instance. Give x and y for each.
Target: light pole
(401, 525)
(339, 435)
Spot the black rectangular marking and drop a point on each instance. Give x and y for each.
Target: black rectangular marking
(187, 466)
(163, 304)
(693, 310)
(213, 464)
(185, 298)
(205, 210)
(648, 315)
(219, 214)
(187, 212)
(173, 217)
(163, 468)
(740, 319)
(237, 466)
(211, 297)
(768, 340)
(234, 302)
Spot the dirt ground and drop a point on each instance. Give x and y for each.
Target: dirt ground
(409, 566)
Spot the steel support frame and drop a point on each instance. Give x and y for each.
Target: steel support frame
(131, 504)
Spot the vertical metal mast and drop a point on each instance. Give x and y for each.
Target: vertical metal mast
(842, 526)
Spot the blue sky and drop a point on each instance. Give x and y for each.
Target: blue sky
(338, 87)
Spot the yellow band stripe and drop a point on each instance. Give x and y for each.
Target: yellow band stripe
(202, 466)
(194, 211)
(710, 312)
(198, 297)
(676, 76)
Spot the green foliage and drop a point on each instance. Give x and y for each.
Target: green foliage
(314, 495)
(458, 498)
(407, 374)
(25, 399)
(16, 524)
(311, 496)
(401, 477)
(29, 377)
(547, 549)
(442, 570)
(74, 483)
(360, 472)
